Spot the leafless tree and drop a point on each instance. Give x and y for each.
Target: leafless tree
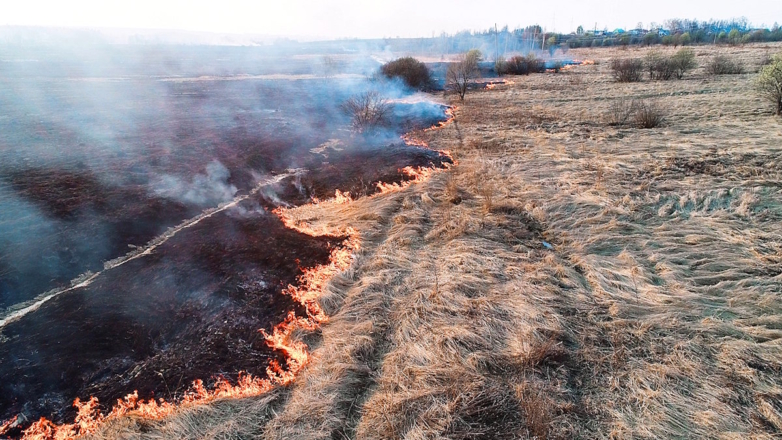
(461, 72)
(367, 110)
(330, 66)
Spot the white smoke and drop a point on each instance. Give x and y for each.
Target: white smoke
(207, 189)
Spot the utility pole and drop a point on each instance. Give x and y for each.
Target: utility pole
(496, 43)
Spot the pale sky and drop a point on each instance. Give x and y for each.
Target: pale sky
(366, 19)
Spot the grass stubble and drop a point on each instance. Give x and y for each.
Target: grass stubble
(655, 313)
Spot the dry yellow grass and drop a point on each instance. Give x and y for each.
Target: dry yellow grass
(654, 313)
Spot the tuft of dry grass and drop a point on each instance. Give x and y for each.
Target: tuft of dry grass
(645, 306)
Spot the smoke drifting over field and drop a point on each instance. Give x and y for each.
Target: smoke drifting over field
(104, 149)
(207, 189)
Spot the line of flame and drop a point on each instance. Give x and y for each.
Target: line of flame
(311, 285)
(4, 427)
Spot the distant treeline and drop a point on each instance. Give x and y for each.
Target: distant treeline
(674, 32)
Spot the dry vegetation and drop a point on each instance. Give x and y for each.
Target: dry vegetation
(570, 278)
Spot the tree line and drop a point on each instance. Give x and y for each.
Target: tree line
(673, 32)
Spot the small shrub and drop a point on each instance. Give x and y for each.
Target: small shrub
(724, 65)
(683, 61)
(413, 72)
(769, 83)
(500, 66)
(765, 60)
(658, 65)
(661, 67)
(524, 65)
(648, 114)
(627, 70)
(734, 37)
(642, 114)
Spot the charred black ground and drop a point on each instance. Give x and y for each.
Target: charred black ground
(90, 165)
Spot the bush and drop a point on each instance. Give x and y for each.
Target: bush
(724, 65)
(734, 36)
(648, 114)
(683, 61)
(627, 70)
(500, 66)
(659, 66)
(367, 111)
(413, 72)
(651, 38)
(769, 83)
(520, 65)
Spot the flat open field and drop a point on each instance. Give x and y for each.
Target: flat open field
(567, 279)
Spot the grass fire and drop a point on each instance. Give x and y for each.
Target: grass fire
(529, 233)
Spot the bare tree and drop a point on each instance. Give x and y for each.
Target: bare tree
(330, 66)
(461, 72)
(367, 110)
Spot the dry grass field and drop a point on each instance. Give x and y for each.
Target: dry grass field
(567, 279)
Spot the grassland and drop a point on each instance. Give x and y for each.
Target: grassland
(567, 279)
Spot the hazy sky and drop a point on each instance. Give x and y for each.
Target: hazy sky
(367, 18)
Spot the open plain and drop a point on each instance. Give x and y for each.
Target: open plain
(567, 278)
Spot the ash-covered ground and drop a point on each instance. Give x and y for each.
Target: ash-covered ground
(103, 150)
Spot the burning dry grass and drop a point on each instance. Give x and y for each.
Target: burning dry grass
(568, 279)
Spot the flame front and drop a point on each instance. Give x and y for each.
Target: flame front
(311, 284)
(4, 427)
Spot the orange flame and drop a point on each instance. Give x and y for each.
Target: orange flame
(311, 284)
(4, 427)
(450, 114)
(340, 198)
(413, 141)
(415, 174)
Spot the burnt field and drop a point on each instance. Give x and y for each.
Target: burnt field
(98, 157)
